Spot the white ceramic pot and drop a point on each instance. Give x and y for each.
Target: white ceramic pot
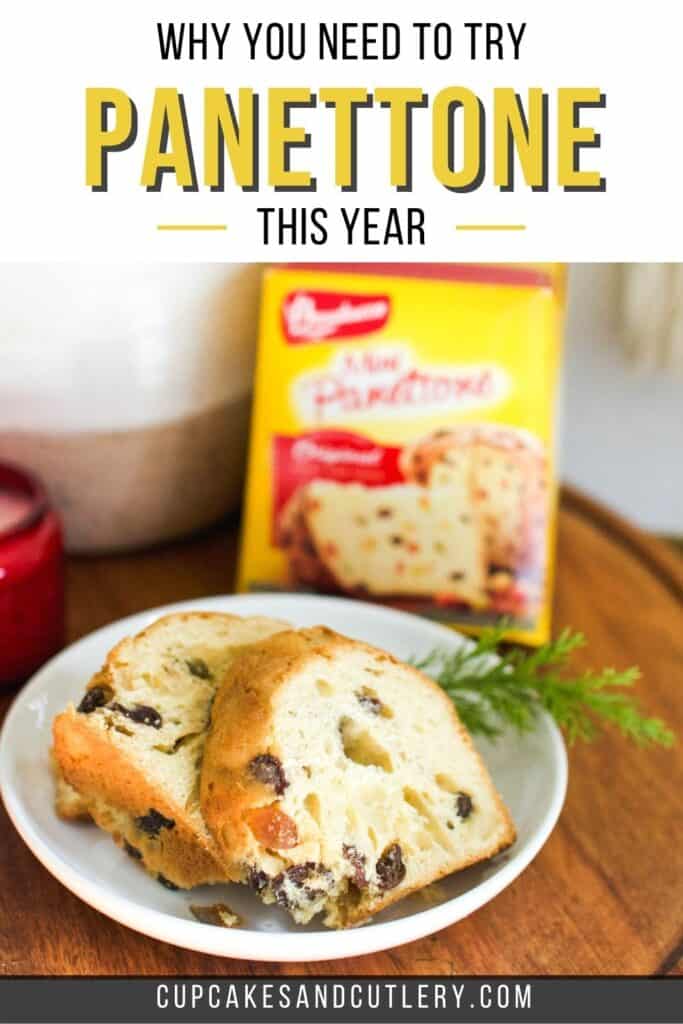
(126, 388)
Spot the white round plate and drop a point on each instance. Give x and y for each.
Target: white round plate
(529, 771)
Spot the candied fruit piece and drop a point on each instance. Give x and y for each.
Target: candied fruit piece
(273, 828)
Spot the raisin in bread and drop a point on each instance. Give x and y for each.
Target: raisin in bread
(337, 780)
(397, 541)
(132, 748)
(509, 475)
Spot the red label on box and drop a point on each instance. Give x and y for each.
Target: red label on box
(338, 455)
(311, 316)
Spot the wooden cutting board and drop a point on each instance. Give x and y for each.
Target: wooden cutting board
(604, 896)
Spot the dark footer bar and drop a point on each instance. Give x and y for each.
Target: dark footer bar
(352, 1000)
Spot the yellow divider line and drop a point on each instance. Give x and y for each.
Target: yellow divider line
(192, 227)
(490, 227)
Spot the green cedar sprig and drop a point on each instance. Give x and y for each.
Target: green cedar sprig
(494, 687)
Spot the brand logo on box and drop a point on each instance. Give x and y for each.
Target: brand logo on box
(323, 316)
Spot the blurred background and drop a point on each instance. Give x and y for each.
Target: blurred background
(126, 389)
(622, 414)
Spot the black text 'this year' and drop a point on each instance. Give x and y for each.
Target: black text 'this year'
(369, 225)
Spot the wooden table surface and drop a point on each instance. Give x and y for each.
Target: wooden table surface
(605, 895)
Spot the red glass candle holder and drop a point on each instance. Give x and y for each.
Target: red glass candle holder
(31, 577)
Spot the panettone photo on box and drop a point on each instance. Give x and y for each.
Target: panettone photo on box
(402, 439)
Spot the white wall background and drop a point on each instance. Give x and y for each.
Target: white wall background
(622, 426)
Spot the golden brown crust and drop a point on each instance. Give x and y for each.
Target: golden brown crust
(241, 729)
(114, 658)
(69, 804)
(417, 459)
(111, 787)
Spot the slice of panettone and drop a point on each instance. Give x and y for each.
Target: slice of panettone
(337, 780)
(128, 755)
(397, 541)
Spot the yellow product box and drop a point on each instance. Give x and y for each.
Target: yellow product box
(402, 439)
